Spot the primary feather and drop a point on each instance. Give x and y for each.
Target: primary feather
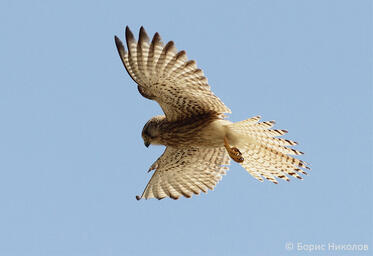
(165, 75)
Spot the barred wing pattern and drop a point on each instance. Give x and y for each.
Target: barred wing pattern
(268, 157)
(186, 171)
(166, 76)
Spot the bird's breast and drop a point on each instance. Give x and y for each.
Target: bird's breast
(201, 133)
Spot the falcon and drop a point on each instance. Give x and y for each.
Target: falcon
(199, 140)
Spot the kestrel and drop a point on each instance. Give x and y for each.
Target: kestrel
(199, 139)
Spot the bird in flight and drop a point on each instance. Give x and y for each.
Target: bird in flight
(199, 140)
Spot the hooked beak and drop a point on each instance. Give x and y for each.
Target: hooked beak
(146, 144)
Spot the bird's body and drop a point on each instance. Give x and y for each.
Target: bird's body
(199, 139)
(207, 130)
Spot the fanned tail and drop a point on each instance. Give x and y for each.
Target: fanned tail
(264, 154)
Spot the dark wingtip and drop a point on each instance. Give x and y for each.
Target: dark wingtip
(120, 48)
(169, 46)
(127, 29)
(156, 39)
(129, 37)
(157, 36)
(143, 36)
(181, 54)
(142, 30)
(118, 42)
(128, 33)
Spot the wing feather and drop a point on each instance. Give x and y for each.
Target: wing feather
(168, 77)
(142, 52)
(186, 171)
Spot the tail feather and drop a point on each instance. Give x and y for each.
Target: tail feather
(274, 144)
(266, 156)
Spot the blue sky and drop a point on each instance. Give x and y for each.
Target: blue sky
(72, 158)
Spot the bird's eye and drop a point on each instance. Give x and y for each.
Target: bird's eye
(151, 137)
(151, 133)
(148, 135)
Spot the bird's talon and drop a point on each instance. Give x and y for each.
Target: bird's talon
(233, 152)
(236, 150)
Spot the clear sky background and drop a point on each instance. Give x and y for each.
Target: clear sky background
(71, 154)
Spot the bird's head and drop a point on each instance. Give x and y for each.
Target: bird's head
(152, 131)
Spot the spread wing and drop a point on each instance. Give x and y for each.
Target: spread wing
(186, 171)
(166, 76)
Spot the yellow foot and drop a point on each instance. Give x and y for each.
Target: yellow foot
(233, 152)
